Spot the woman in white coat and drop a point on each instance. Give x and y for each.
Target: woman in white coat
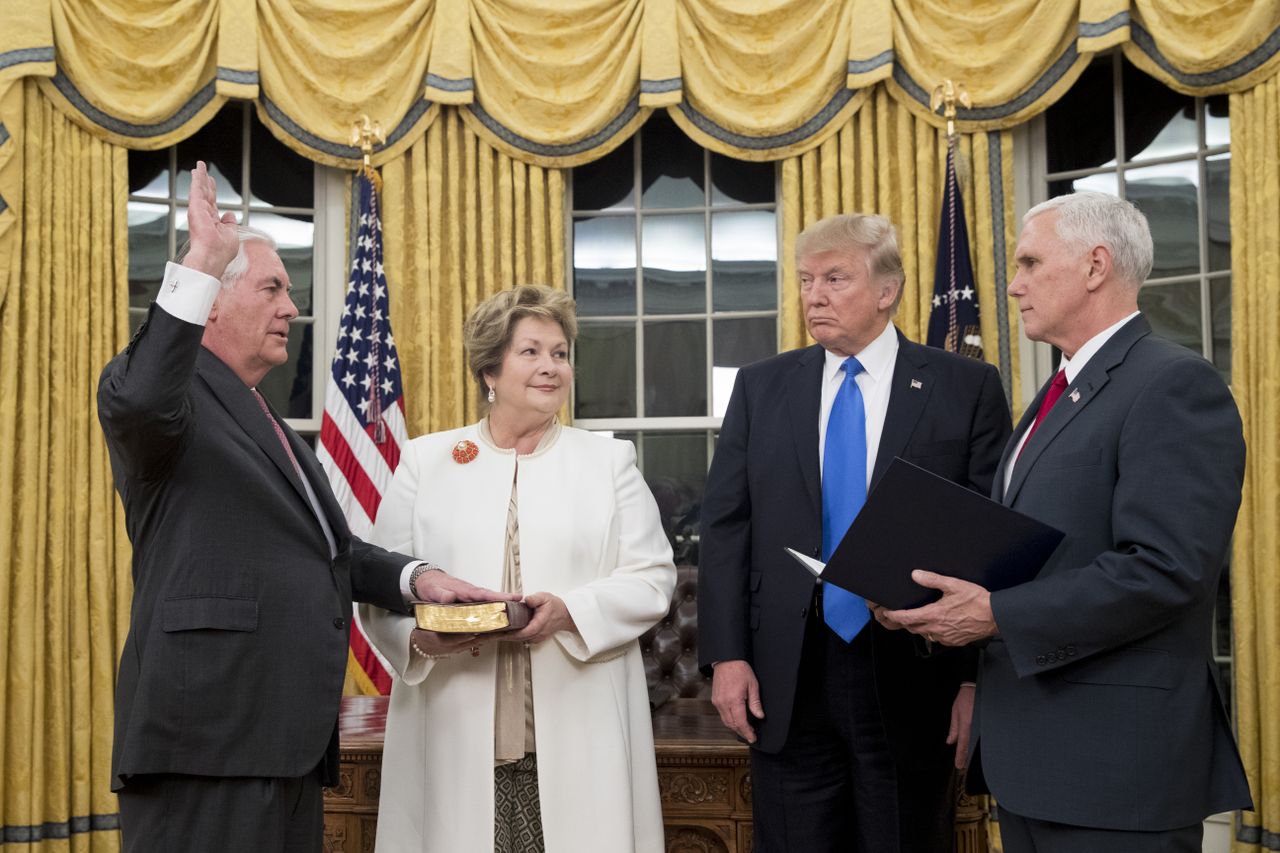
(538, 739)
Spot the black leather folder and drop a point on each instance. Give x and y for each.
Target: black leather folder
(914, 519)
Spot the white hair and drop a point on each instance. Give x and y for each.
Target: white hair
(1087, 219)
(240, 263)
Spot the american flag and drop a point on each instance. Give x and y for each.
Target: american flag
(953, 322)
(363, 426)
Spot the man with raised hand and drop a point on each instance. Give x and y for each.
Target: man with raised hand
(244, 570)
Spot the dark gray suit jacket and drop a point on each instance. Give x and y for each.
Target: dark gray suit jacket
(237, 646)
(1098, 703)
(946, 413)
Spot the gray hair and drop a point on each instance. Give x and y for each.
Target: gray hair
(240, 263)
(847, 232)
(1087, 219)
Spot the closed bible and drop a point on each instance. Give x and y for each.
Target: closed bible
(472, 617)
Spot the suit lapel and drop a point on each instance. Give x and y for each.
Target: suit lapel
(1029, 415)
(238, 401)
(1090, 381)
(912, 385)
(804, 400)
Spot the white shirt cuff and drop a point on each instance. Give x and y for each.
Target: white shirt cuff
(404, 580)
(187, 294)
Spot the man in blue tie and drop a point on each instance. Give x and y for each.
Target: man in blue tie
(849, 723)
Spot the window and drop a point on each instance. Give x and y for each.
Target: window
(1121, 132)
(676, 278)
(269, 187)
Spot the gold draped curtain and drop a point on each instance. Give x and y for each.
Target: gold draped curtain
(561, 82)
(484, 101)
(461, 221)
(64, 591)
(887, 160)
(1255, 373)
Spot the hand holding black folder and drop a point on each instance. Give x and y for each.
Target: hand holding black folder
(915, 519)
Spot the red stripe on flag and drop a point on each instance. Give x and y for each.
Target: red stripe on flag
(361, 486)
(368, 661)
(389, 449)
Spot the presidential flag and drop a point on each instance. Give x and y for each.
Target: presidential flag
(953, 320)
(363, 426)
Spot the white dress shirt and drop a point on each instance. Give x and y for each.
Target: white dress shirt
(877, 359)
(1071, 367)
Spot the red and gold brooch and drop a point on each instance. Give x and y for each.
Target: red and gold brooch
(465, 451)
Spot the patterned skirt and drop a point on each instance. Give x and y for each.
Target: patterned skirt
(517, 815)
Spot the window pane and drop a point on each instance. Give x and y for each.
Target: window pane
(1167, 195)
(744, 261)
(675, 368)
(1220, 317)
(734, 343)
(1158, 122)
(277, 176)
(288, 386)
(604, 265)
(675, 467)
(220, 143)
(674, 249)
(1080, 128)
(1217, 172)
(148, 250)
(671, 165)
(607, 183)
(295, 236)
(1101, 183)
(605, 371)
(1174, 311)
(740, 181)
(149, 173)
(1217, 129)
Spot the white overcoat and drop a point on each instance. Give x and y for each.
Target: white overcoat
(589, 533)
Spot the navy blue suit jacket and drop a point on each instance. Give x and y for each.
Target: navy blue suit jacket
(946, 413)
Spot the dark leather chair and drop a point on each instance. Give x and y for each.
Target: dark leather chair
(670, 648)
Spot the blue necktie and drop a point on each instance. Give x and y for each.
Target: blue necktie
(844, 491)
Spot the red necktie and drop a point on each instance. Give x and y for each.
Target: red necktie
(1051, 396)
(280, 432)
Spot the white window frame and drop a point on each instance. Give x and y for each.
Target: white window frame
(641, 423)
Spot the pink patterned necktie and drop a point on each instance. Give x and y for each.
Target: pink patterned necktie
(284, 442)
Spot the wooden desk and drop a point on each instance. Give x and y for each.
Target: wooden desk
(703, 779)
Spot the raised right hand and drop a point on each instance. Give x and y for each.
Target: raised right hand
(734, 692)
(214, 241)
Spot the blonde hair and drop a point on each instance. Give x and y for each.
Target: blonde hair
(490, 325)
(852, 232)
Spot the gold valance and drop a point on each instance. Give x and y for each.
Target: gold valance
(560, 82)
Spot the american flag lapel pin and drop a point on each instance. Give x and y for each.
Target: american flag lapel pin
(1075, 395)
(916, 384)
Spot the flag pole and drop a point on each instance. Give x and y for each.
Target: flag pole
(953, 323)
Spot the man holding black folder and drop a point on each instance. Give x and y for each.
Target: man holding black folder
(849, 722)
(1100, 725)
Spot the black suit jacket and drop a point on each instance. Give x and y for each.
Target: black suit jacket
(1098, 704)
(237, 646)
(946, 413)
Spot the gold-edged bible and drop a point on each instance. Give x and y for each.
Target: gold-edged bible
(472, 617)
